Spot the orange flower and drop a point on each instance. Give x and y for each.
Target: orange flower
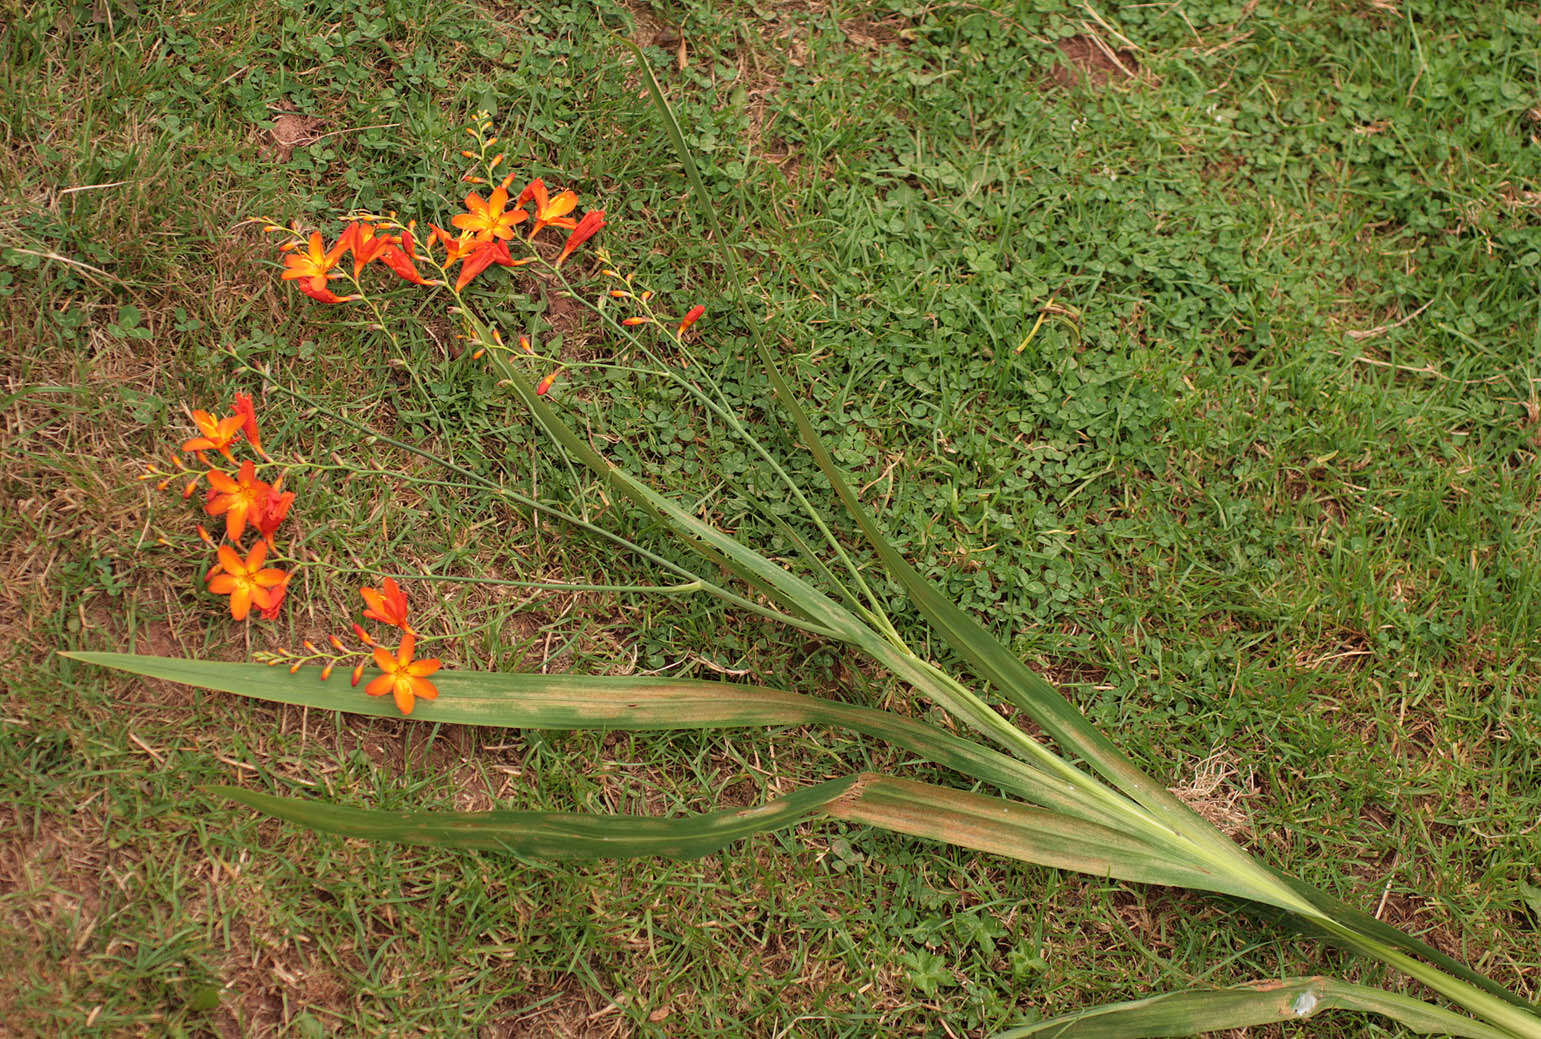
(402, 676)
(549, 212)
(364, 243)
(387, 604)
(480, 260)
(399, 260)
(587, 228)
(313, 267)
(488, 220)
(272, 509)
(691, 317)
(217, 432)
(494, 252)
(236, 499)
(245, 580)
(276, 596)
(248, 412)
(456, 247)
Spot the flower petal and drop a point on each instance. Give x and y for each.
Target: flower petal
(403, 694)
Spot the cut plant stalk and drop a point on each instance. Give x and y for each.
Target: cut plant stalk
(1107, 819)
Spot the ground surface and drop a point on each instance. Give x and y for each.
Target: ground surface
(1259, 491)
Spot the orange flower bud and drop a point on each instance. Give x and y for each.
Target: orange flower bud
(477, 356)
(326, 672)
(187, 492)
(619, 294)
(358, 673)
(544, 386)
(310, 647)
(636, 321)
(647, 294)
(468, 154)
(295, 667)
(363, 635)
(337, 643)
(524, 344)
(691, 317)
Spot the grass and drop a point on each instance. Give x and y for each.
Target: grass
(1259, 493)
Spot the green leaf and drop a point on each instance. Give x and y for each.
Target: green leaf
(920, 809)
(550, 835)
(1265, 1002)
(1001, 827)
(520, 700)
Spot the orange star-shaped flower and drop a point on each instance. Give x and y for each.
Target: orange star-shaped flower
(404, 678)
(364, 243)
(387, 604)
(488, 220)
(217, 433)
(245, 580)
(549, 212)
(456, 247)
(237, 499)
(313, 267)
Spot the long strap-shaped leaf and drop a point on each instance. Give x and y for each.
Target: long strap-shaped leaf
(1265, 1002)
(967, 820)
(552, 835)
(523, 700)
(1044, 838)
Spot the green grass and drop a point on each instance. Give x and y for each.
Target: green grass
(1264, 482)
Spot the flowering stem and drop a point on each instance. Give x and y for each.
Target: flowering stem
(684, 588)
(477, 481)
(723, 410)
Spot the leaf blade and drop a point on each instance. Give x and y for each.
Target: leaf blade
(1196, 1012)
(549, 835)
(526, 700)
